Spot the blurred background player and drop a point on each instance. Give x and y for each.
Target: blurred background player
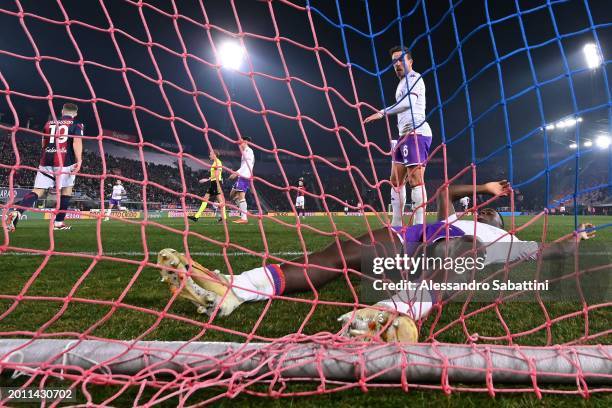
(465, 203)
(299, 200)
(410, 154)
(60, 161)
(214, 192)
(116, 196)
(243, 175)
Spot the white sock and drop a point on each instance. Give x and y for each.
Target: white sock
(419, 196)
(398, 199)
(242, 204)
(108, 212)
(415, 304)
(250, 282)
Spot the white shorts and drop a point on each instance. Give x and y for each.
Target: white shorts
(299, 201)
(48, 175)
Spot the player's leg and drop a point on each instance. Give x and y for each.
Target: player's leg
(221, 207)
(44, 180)
(398, 193)
(202, 208)
(415, 151)
(262, 283)
(64, 203)
(418, 193)
(242, 206)
(66, 183)
(109, 210)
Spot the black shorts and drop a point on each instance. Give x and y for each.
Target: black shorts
(213, 189)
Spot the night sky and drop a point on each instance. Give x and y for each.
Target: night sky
(495, 72)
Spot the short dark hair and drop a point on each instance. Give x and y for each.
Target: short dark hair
(402, 49)
(71, 107)
(246, 138)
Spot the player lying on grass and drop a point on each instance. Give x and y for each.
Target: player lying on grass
(392, 319)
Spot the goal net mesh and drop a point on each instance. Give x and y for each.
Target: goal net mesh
(506, 88)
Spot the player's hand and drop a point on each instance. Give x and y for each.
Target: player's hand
(204, 180)
(369, 323)
(75, 168)
(583, 234)
(233, 176)
(372, 117)
(498, 188)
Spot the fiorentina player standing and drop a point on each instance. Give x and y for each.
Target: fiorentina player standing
(60, 161)
(410, 154)
(243, 175)
(117, 195)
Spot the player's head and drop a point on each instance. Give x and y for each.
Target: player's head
(301, 181)
(402, 60)
(118, 182)
(213, 154)
(244, 140)
(70, 109)
(490, 216)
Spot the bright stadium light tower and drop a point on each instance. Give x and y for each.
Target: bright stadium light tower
(231, 54)
(593, 56)
(603, 141)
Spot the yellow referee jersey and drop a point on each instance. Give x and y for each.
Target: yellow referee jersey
(215, 170)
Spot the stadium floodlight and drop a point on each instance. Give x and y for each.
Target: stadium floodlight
(588, 143)
(603, 142)
(573, 146)
(593, 56)
(231, 55)
(550, 127)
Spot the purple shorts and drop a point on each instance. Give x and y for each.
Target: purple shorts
(112, 201)
(241, 184)
(412, 149)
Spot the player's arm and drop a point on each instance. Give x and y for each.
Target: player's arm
(563, 249)
(407, 101)
(445, 201)
(216, 171)
(244, 167)
(77, 145)
(45, 134)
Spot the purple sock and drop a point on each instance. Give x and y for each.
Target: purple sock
(64, 202)
(28, 201)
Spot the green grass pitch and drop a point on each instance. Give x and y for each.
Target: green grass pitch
(107, 281)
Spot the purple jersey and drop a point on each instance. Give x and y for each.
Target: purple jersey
(412, 235)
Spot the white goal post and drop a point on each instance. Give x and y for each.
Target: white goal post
(309, 361)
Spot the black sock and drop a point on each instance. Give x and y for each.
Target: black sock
(64, 202)
(28, 201)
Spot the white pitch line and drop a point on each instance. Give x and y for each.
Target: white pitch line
(134, 253)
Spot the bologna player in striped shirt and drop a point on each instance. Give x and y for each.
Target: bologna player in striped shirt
(60, 161)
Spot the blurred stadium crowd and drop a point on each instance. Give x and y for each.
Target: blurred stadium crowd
(165, 187)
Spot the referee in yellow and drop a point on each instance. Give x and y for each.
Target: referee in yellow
(214, 191)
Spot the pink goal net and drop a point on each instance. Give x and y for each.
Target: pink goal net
(158, 88)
